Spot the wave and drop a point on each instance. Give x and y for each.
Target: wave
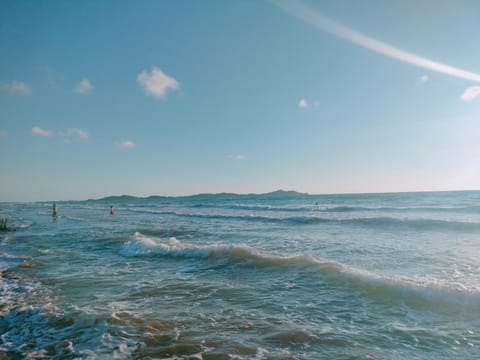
(40, 330)
(401, 209)
(416, 224)
(9, 261)
(76, 218)
(371, 222)
(141, 245)
(417, 291)
(339, 209)
(144, 245)
(141, 210)
(34, 326)
(382, 222)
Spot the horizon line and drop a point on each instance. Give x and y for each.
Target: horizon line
(245, 194)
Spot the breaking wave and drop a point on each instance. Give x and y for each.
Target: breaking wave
(420, 291)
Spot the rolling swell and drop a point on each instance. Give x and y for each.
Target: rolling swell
(341, 208)
(371, 222)
(382, 222)
(431, 293)
(417, 224)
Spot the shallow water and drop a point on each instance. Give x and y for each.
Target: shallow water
(380, 276)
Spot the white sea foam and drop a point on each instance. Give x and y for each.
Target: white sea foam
(144, 245)
(76, 218)
(140, 245)
(9, 261)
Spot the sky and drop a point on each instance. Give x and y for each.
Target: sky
(102, 98)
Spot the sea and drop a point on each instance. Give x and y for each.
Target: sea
(282, 275)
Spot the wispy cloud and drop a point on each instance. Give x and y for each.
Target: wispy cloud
(68, 136)
(303, 104)
(84, 87)
(81, 134)
(315, 18)
(75, 133)
(156, 83)
(470, 93)
(237, 157)
(127, 144)
(38, 131)
(16, 88)
(423, 79)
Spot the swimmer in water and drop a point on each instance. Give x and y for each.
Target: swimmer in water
(111, 210)
(54, 212)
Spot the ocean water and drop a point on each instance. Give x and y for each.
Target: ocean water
(279, 276)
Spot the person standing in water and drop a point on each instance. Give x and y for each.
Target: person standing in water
(111, 210)
(54, 212)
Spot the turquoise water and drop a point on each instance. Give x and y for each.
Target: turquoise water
(281, 276)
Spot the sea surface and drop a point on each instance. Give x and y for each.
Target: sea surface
(276, 276)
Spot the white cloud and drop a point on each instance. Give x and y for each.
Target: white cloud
(470, 93)
(68, 135)
(303, 104)
(317, 19)
(237, 157)
(423, 79)
(84, 87)
(38, 131)
(156, 83)
(3, 133)
(16, 88)
(74, 132)
(127, 144)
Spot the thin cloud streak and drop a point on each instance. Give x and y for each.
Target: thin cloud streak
(127, 144)
(16, 88)
(237, 157)
(313, 17)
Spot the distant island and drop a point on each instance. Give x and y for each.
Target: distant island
(274, 194)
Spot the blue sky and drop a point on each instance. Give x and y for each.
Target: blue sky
(181, 97)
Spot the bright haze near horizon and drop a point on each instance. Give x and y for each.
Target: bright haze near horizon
(176, 98)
